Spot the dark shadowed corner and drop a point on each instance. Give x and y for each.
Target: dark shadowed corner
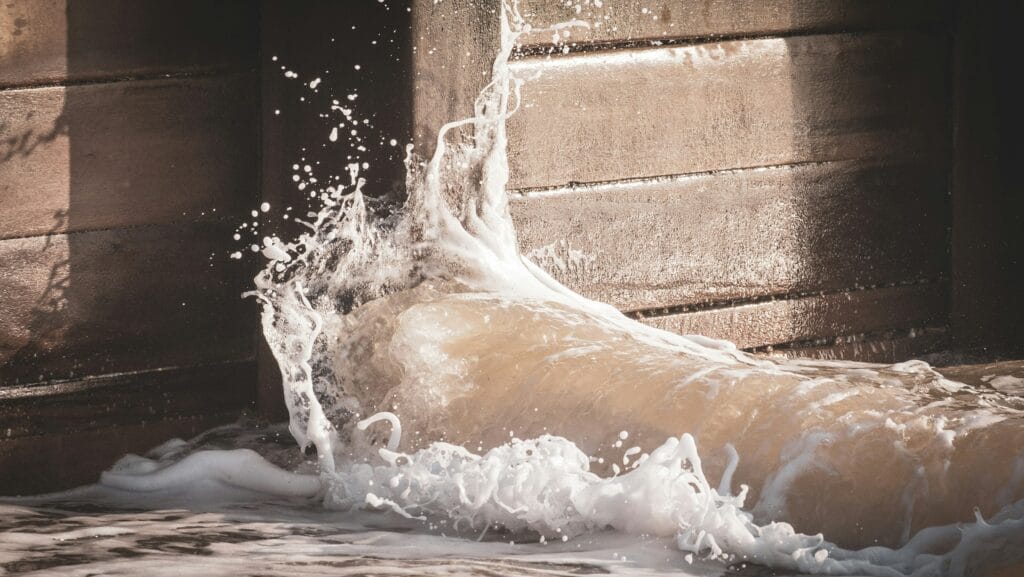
(987, 190)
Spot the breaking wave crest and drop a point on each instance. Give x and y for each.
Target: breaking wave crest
(430, 312)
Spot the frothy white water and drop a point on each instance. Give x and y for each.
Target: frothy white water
(543, 489)
(432, 314)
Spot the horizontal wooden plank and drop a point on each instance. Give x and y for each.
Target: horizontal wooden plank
(121, 300)
(885, 348)
(605, 116)
(59, 40)
(35, 465)
(135, 398)
(741, 234)
(59, 436)
(127, 153)
(637, 20)
(454, 42)
(816, 317)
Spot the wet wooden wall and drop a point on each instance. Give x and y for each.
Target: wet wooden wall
(776, 173)
(128, 151)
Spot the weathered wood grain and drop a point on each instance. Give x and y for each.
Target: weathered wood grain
(127, 153)
(121, 300)
(453, 46)
(659, 111)
(638, 20)
(454, 42)
(48, 41)
(61, 435)
(815, 317)
(741, 234)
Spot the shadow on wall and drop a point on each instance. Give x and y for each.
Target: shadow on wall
(129, 140)
(869, 212)
(13, 143)
(920, 127)
(38, 267)
(140, 163)
(46, 315)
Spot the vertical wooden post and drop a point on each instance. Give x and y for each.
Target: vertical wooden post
(454, 44)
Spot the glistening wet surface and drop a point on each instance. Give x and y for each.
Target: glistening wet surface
(210, 529)
(276, 538)
(206, 530)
